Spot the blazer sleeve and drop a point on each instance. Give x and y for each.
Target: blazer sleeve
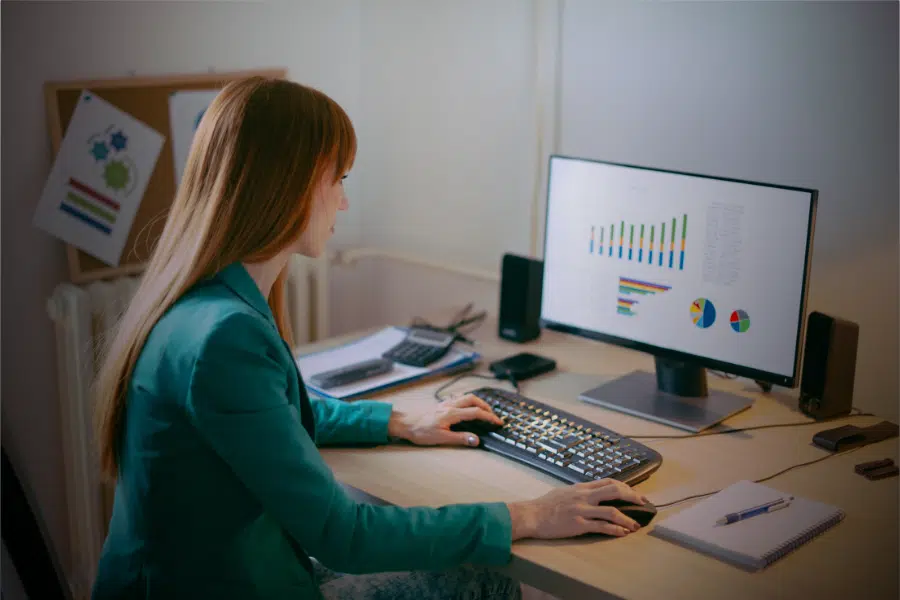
(238, 401)
(361, 421)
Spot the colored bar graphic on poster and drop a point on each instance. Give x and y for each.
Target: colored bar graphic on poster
(98, 178)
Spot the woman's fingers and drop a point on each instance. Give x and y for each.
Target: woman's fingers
(470, 413)
(610, 514)
(469, 400)
(604, 527)
(614, 491)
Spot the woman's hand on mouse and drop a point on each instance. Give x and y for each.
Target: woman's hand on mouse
(573, 510)
(432, 427)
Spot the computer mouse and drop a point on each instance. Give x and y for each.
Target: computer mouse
(476, 426)
(642, 513)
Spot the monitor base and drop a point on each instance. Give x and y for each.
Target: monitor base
(638, 394)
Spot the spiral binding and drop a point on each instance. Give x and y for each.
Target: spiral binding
(803, 538)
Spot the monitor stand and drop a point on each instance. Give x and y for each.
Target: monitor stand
(676, 396)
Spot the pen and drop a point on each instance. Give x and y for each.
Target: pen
(756, 510)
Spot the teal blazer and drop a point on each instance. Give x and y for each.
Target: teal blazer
(222, 492)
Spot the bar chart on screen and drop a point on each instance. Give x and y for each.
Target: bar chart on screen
(631, 291)
(661, 244)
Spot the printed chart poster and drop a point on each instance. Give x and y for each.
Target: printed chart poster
(98, 179)
(186, 109)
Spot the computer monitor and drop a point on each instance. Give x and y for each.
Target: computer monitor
(702, 272)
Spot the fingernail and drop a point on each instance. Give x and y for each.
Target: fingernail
(473, 441)
(635, 526)
(645, 499)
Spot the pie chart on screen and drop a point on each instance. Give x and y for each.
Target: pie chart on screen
(740, 321)
(703, 313)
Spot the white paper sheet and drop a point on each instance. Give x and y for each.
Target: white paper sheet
(186, 109)
(366, 348)
(98, 178)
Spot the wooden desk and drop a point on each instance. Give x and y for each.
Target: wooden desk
(856, 559)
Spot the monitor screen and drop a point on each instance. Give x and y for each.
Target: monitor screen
(686, 266)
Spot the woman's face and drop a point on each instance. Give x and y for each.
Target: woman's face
(327, 201)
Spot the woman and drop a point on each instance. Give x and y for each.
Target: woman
(205, 423)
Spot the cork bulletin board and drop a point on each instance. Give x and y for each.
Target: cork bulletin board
(147, 99)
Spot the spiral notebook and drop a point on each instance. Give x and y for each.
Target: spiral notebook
(755, 542)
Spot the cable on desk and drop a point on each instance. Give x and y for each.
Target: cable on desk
(766, 478)
(461, 324)
(437, 392)
(752, 428)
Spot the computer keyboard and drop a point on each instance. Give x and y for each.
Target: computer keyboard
(562, 445)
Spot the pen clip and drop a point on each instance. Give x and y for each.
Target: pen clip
(784, 504)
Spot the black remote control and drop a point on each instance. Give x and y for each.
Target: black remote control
(352, 373)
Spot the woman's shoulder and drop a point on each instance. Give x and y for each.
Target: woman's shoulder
(205, 324)
(207, 316)
(212, 310)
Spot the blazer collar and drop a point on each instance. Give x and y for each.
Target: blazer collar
(238, 280)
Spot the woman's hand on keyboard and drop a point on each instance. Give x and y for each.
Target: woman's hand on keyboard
(432, 427)
(573, 510)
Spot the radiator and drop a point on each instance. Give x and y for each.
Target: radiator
(81, 314)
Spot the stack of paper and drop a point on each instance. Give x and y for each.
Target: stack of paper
(374, 346)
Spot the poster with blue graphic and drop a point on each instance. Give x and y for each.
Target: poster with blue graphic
(186, 109)
(98, 178)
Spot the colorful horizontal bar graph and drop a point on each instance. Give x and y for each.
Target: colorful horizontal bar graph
(624, 307)
(616, 243)
(66, 208)
(635, 287)
(93, 193)
(90, 206)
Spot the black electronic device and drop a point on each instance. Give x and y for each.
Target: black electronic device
(642, 513)
(658, 261)
(559, 443)
(845, 437)
(522, 366)
(829, 366)
(421, 347)
(351, 373)
(520, 298)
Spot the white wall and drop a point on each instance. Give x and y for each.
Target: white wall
(449, 151)
(448, 129)
(796, 93)
(316, 40)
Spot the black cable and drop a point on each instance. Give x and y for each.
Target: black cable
(752, 428)
(461, 324)
(722, 374)
(437, 392)
(766, 478)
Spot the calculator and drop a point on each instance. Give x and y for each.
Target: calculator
(421, 347)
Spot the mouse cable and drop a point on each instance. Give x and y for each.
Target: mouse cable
(751, 428)
(766, 478)
(437, 392)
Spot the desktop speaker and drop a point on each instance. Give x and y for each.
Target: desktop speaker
(521, 279)
(829, 366)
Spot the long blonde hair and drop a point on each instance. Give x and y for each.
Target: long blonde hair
(260, 151)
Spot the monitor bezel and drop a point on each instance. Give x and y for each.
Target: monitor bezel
(678, 355)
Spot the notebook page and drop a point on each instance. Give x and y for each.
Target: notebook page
(755, 538)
